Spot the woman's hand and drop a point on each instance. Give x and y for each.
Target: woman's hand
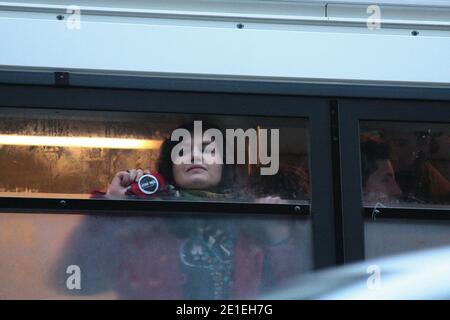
(122, 180)
(269, 199)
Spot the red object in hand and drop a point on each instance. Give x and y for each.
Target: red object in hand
(147, 185)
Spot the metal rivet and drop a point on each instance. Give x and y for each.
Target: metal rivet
(60, 17)
(415, 33)
(240, 26)
(297, 209)
(62, 202)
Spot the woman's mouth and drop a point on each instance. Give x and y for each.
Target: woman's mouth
(196, 168)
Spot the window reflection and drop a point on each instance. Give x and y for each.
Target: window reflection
(405, 163)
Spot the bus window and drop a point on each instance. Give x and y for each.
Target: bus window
(140, 156)
(100, 156)
(405, 164)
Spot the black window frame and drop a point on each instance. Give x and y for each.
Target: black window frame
(351, 113)
(96, 94)
(338, 220)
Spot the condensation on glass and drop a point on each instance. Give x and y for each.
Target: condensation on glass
(75, 154)
(394, 236)
(149, 257)
(405, 164)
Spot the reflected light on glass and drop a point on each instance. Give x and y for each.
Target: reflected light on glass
(79, 142)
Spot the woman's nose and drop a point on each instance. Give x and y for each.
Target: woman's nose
(197, 154)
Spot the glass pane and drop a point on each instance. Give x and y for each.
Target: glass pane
(390, 237)
(405, 164)
(165, 257)
(147, 156)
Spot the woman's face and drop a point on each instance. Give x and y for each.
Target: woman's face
(202, 173)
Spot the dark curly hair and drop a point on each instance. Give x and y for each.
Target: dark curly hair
(165, 164)
(291, 182)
